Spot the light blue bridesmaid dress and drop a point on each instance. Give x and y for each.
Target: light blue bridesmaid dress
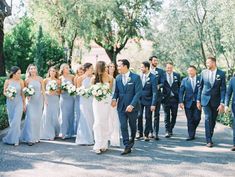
(14, 111)
(85, 127)
(50, 127)
(66, 114)
(77, 112)
(34, 108)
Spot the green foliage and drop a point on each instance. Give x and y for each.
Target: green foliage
(22, 48)
(17, 45)
(225, 119)
(47, 52)
(3, 117)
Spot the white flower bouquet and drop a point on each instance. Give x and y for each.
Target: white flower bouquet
(52, 86)
(82, 91)
(71, 89)
(11, 92)
(29, 91)
(100, 91)
(64, 86)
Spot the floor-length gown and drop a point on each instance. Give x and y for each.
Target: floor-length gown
(114, 124)
(66, 113)
(101, 111)
(77, 112)
(85, 127)
(34, 109)
(14, 111)
(50, 120)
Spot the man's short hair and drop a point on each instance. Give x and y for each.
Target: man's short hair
(170, 63)
(212, 59)
(152, 57)
(125, 62)
(146, 64)
(192, 66)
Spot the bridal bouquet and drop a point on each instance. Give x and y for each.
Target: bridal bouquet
(28, 91)
(82, 91)
(52, 86)
(11, 92)
(100, 91)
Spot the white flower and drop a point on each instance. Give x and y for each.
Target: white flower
(128, 79)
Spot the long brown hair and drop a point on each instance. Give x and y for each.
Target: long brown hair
(14, 70)
(57, 73)
(28, 74)
(99, 71)
(115, 73)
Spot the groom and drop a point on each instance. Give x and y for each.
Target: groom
(126, 97)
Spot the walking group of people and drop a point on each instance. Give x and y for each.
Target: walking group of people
(97, 119)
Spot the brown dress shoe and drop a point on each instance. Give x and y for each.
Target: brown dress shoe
(233, 148)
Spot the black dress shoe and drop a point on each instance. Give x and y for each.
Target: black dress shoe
(190, 138)
(233, 148)
(139, 136)
(126, 151)
(131, 143)
(156, 138)
(146, 138)
(167, 135)
(151, 136)
(30, 144)
(209, 145)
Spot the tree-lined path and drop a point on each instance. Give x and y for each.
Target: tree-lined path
(167, 157)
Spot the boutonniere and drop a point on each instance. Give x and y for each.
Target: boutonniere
(218, 77)
(156, 72)
(148, 79)
(128, 79)
(198, 82)
(175, 78)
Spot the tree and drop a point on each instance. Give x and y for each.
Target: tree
(109, 23)
(5, 11)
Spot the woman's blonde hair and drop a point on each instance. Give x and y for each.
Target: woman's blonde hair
(28, 68)
(62, 68)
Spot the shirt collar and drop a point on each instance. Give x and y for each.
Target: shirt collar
(127, 74)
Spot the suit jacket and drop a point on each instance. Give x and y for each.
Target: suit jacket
(159, 74)
(186, 94)
(230, 92)
(174, 88)
(128, 94)
(214, 93)
(149, 91)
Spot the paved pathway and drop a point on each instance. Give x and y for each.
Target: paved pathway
(167, 157)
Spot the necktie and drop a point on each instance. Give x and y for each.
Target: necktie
(170, 79)
(143, 79)
(124, 79)
(211, 77)
(193, 83)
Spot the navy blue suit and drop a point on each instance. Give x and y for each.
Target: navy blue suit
(170, 101)
(230, 92)
(148, 98)
(188, 96)
(126, 95)
(210, 97)
(159, 75)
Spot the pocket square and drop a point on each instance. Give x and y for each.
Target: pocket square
(129, 83)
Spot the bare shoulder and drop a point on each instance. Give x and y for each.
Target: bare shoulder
(40, 78)
(6, 82)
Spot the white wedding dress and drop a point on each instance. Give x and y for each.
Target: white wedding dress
(101, 110)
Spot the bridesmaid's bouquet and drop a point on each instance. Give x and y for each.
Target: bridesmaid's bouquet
(82, 91)
(52, 86)
(11, 92)
(100, 91)
(71, 89)
(29, 91)
(64, 86)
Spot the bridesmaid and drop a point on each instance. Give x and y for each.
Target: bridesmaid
(114, 125)
(15, 106)
(85, 127)
(50, 120)
(34, 107)
(79, 73)
(66, 105)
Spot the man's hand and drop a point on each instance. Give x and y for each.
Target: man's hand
(129, 108)
(153, 108)
(220, 109)
(182, 106)
(199, 106)
(226, 109)
(114, 103)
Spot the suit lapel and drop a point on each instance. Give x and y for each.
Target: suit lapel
(189, 83)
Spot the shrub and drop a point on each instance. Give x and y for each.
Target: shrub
(225, 119)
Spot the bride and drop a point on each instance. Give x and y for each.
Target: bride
(101, 109)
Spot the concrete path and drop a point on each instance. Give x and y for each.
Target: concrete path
(167, 157)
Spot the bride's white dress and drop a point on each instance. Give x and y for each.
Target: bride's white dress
(101, 110)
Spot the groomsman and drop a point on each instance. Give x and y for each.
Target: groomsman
(188, 101)
(230, 92)
(126, 97)
(171, 85)
(148, 100)
(159, 75)
(211, 96)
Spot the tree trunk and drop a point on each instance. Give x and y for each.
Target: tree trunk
(112, 56)
(2, 59)
(203, 54)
